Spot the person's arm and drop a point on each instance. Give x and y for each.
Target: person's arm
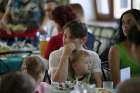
(96, 70)
(114, 64)
(98, 79)
(7, 12)
(61, 72)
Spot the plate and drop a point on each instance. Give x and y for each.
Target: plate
(103, 90)
(63, 85)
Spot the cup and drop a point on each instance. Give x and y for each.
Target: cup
(108, 85)
(43, 46)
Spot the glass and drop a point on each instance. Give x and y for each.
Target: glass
(108, 85)
(102, 6)
(81, 87)
(42, 47)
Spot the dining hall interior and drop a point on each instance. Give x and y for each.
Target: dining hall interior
(69, 46)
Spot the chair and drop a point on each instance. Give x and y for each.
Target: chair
(47, 77)
(97, 44)
(105, 71)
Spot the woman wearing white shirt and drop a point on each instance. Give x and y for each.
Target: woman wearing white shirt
(75, 35)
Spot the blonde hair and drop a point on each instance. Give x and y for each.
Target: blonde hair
(34, 66)
(78, 55)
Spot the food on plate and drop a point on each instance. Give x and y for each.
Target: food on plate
(4, 47)
(102, 90)
(17, 28)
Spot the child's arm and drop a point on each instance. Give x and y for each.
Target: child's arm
(97, 76)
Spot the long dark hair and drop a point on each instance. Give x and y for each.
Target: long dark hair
(136, 13)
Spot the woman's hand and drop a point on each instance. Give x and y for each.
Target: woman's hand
(68, 49)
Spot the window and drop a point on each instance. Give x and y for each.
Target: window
(121, 6)
(108, 10)
(136, 4)
(103, 10)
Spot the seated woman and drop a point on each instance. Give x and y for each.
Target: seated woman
(17, 82)
(120, 55)
(34, 66)
(75, 34)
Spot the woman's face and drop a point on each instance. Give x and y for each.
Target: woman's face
(67, 38)
(48, 8)
(127, 21)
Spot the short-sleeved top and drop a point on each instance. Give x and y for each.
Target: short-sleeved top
(56, 55)
(127, 61)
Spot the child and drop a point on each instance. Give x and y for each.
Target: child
(17, 82)
(129, 86)
(81, 59)
(34, 66)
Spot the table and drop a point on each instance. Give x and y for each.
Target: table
(11, 60)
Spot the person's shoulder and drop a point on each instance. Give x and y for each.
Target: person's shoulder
(114, 50)
(57, 52)
(55, 37)
(91, 53)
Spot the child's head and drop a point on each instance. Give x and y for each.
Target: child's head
(17, 82)
(34, 66)
(129, 86)
(80, 62)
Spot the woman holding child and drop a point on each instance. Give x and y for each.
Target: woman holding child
(75, 35)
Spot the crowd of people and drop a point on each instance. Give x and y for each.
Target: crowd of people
(69, 54)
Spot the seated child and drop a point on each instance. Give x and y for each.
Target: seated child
(81, 67)
(17, 82)
(34, 66)
(129, 86)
